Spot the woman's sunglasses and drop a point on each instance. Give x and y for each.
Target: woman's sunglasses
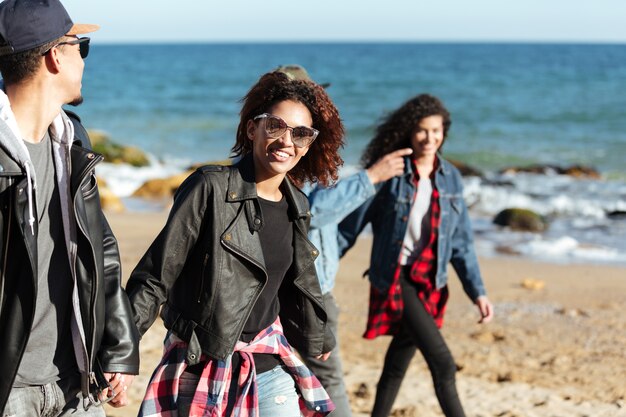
(82, 42)
(275, 127)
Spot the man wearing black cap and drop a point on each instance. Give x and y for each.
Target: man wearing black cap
(67, 339)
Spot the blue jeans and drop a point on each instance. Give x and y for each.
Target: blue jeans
(276, 390)
(277, 394)
(60, 398)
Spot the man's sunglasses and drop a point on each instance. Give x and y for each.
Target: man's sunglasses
(275, 127)
(82, 42)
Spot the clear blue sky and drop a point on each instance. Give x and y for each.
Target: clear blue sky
(352, 20)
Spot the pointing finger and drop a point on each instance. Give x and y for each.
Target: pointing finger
(402, 152)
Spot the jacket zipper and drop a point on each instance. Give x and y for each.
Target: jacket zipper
(91, 303)
(206, 260)
(94, 291)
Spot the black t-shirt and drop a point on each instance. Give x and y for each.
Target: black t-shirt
(277, 242)
(276, 237)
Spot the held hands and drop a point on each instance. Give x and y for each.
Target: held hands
(119, 385)
(485, 308)
(388, 166)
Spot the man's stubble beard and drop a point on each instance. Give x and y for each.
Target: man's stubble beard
(76, 102)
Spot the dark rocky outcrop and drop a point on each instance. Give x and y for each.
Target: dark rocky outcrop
(466, 170)
(581, 171)
(116, 153)
(201, 164)
(616, 214)
(521, 219)
(160, 188)
(576, 171)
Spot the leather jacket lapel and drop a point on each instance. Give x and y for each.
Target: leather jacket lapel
(240, 236)
(240, 239)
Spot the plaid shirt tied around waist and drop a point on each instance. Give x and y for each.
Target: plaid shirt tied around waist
(386, 307)
(211, 396)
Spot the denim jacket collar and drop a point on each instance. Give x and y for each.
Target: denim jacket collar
(442, 168)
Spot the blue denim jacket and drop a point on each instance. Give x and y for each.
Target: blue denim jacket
(329, 206)
(388, 212)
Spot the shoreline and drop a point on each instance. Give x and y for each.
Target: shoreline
(552, 351)
(567, 218)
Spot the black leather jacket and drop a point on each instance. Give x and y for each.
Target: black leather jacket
(207, 266)
(111, 337)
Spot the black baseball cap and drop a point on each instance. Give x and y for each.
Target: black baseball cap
(28, 24)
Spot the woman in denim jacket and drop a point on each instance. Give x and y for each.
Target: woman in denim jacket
(420, 223)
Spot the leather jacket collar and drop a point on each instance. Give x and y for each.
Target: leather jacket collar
(242, 186)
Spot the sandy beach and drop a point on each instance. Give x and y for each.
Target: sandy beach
(555, 349)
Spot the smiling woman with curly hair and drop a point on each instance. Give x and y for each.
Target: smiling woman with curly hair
(235, 269)
(396, 129)
(420, 224)
(321, 162)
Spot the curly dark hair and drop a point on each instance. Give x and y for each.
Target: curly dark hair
(396, 129)
(20, 67)
(321, 163)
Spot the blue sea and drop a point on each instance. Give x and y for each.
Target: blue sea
(511, 105)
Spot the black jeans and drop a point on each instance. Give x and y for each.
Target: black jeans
(418, 331)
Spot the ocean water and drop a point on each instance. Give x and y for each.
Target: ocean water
(511, 104)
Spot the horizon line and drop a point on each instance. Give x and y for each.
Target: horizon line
(357, 41)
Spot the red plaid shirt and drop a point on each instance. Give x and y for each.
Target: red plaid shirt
(385, 308)
(211, 394)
